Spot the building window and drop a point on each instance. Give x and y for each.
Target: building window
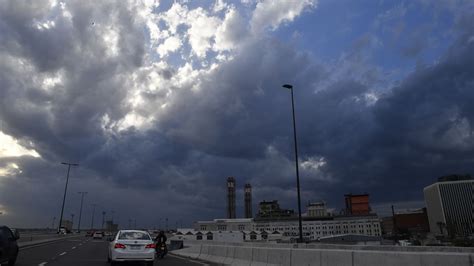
(241, 227)
(203, 228)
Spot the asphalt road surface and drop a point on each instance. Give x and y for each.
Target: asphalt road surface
(82, 251)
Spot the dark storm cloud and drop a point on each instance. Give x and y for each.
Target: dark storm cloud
(68, 116)
(237, 122)
(421, 130)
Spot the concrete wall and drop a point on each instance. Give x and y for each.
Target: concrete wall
(254, 255)
(340, 246)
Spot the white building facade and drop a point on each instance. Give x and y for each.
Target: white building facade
(450, 207)
(224, 225)
(313, 229)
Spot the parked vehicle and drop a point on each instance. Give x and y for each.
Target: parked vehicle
(8, 245)
(132, 245)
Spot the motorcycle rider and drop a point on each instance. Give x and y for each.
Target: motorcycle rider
(161, 240)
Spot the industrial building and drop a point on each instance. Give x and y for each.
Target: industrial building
(248, 201)
(357, 204)
(412, 222)
(272, 210)
(231, 198)
(316, 209)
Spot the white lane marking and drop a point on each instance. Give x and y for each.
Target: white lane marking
(73, 247)
(42, 263)
(64, 253)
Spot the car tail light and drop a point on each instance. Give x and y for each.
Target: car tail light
(119, 245)
(150, 246)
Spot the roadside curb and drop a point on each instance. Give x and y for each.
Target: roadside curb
(202, 262)
(31, 244)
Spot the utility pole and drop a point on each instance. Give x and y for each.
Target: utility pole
(65, 191)
(80, 211)
(72, 219)
(93, 212)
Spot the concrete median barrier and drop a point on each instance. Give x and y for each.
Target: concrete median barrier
(258, 255)
(204, 254)
(279, 256)
(54, 238)
(445, 259)
(230, 254)
(217, 254)
(242, 256)
(188, 251)
(305, 257)
(362, 258)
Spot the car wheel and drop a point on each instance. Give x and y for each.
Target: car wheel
(149, 263)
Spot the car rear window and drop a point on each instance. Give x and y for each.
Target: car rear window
(134, 236)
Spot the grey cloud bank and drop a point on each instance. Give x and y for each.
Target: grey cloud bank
(70, 93)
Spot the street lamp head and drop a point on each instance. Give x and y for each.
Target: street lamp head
(288, 86)
(72, 164)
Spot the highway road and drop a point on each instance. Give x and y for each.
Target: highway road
(81, 251)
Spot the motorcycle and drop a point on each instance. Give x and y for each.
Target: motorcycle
(161, 250)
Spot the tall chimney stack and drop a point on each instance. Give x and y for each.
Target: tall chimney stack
(248, 201)
(231, 198)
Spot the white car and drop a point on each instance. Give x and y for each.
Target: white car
(132, 245)
(97, 235)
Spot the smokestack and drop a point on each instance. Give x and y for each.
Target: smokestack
(231, 198)
(248, 201)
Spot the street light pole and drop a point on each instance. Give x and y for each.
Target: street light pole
(65, 191)
(80, 211)
(93, 212)
(290, 87)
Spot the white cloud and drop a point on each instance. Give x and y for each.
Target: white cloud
(201, 31)
(270, 14)
(231, 32)
(171, 44)
(175, 16)
(10, 169)
(219, 6)
(11, 148)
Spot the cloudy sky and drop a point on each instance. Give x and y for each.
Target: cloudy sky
(160, 101)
